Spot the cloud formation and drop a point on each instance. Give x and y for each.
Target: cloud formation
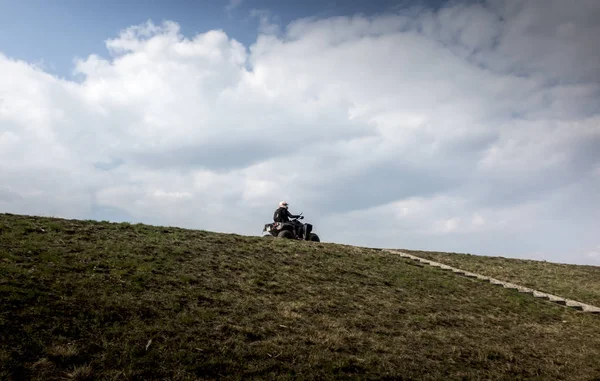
(475, 127)
(232, 4)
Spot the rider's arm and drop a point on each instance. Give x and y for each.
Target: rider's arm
(290, 215)
(293, 215)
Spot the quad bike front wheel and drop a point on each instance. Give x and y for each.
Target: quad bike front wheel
(314, 237)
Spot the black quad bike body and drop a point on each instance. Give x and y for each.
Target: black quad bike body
(291, 230)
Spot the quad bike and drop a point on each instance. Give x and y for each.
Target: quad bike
(291, 230)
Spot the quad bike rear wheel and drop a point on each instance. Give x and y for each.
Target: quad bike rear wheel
(285, 234)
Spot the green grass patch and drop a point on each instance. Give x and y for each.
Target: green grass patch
(577, 282)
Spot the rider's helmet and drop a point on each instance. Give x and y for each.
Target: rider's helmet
(283, 204)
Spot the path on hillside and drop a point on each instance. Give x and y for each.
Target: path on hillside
(538, 294)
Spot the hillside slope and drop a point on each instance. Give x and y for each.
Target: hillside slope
(91, 300)
(578, 282)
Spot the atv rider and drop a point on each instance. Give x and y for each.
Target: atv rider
(282, 214)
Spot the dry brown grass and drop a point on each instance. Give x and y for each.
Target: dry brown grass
(63, 350)
(80, 373)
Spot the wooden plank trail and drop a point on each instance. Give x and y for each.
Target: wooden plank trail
(538, 294)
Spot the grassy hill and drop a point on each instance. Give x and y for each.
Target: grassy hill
(92, 300)
(581, 283)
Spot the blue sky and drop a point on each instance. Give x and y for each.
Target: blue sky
(465, 126)
(53, 33)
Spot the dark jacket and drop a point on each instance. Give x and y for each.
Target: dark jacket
(283, 215)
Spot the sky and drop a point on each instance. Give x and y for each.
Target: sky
(463, 126)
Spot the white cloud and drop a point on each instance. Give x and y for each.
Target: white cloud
(232, 4)
(435, 130)
(267, 21)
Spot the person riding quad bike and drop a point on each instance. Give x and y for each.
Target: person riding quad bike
(283, 227)
(282, 214)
